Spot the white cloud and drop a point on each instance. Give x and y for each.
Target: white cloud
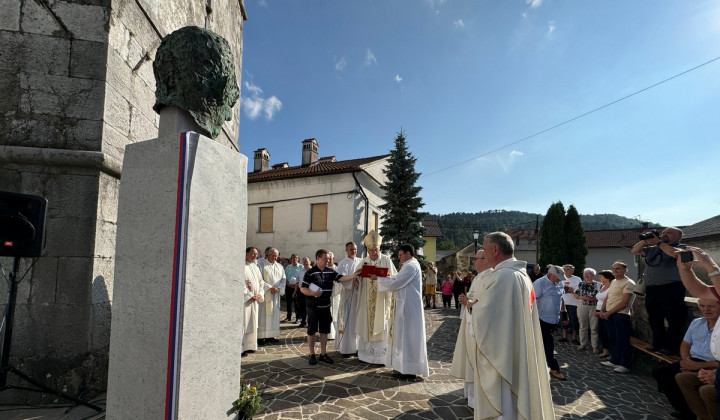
(551, 27)
(534, 3)
(340, 64)
(370, 58)
(459, 23)
(515, 153)
(398, 78)
(435, 4)
(255, 105)
(263, 3)
(507, 162)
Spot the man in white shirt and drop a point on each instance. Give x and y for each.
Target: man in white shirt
(570, 283)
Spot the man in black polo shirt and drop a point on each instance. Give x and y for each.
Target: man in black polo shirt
(317, 286)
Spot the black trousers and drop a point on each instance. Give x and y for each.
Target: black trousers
(301, 308)
(290, 301)
(665, 378)
(666, 302)
(547, 329)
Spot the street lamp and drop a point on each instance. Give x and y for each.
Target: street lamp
(476, 236)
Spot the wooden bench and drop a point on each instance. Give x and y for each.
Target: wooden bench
(644, 347)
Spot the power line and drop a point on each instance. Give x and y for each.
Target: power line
(573, 118)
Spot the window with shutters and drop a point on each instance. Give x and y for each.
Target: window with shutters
(266, 220)
(318, 217)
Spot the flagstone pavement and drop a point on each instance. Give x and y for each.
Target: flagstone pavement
(350, 389)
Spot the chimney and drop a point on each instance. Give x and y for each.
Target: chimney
(309, 152)
(280, 165)
(644, 225)
(327, 159)
(262, 160)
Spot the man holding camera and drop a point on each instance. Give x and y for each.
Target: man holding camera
(664, 293)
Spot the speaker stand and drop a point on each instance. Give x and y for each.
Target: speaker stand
(6, 368)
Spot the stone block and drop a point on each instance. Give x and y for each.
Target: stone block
(117, 111)
(108, 189)
(68, 195)
(74, 281)
(86, 22)
(10, 16)
(105, 239)
(30, 53)
(209, 365)
(82, 135)
(137, 25)
(62, 96)
(142, 128)
(101, 303)
(118, 37)
(43, 282)
(36, 19)
(88, 59)
(69, 237)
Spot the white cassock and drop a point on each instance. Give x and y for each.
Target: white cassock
(408, 350)
(269, 308)
(254, 286)
(374, 309)
(511, 376)
(463, 364)
(334, 304)
(346, 341)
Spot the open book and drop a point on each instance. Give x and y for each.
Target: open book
(369, 270)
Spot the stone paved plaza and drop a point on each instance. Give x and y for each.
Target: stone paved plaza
(350, 389)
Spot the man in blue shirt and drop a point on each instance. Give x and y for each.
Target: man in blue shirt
(548, 298)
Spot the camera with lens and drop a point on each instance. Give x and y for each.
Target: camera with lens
(649, 235)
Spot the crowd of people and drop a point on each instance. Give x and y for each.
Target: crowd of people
(375, 313)
(371, 310)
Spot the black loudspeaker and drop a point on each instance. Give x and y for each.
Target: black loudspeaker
(22, 224)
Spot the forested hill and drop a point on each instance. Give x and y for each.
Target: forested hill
(458, 227)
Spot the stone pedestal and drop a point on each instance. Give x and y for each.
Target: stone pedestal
(178, 255)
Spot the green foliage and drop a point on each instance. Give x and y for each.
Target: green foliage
(449, 245)
(552, 236)
(249, 402)
(575, 245)
(402, 221)
(458, 227)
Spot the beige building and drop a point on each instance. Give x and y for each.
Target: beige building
(322, 203)
(433, 231)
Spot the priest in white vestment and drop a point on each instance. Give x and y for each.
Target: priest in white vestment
(335, 297)
(408, 347)
(274, 289)
(463, 364)
(346, 338)
(374, 307)
(253, 294)
(511, 378)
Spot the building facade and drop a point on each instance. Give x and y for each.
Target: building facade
(323, 203)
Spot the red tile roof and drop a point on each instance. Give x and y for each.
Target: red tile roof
(432, 228)
(316, 169)
(707, 227)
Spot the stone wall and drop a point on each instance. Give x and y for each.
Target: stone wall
(76, 86)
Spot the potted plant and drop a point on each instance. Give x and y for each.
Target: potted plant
(249, 402)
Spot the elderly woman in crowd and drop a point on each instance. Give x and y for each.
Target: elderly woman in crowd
(606, 277)
(585, 294)
(616, 311)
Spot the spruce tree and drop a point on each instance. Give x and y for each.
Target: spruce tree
(402, 221)
(552, 236)
(575, 244)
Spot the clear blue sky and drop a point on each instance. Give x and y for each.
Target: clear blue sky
(465, 78)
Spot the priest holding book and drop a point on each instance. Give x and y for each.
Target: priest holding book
(374, 306)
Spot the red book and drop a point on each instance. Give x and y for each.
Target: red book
(369, 270)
